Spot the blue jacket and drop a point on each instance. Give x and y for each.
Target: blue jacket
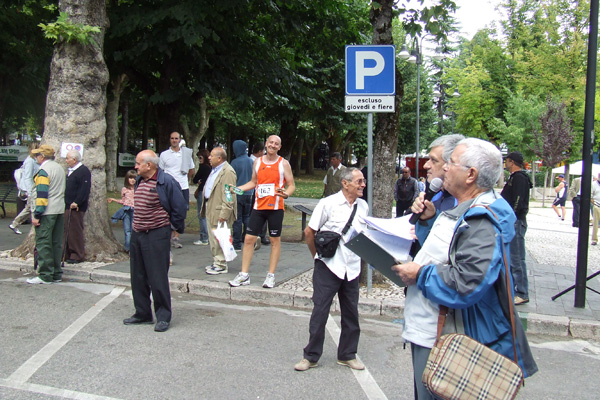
(474, 281)
(242, 164)
(171, 198)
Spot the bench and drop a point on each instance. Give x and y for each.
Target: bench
(8, 194)
(305, 211)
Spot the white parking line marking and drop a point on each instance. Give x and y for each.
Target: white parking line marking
(52, 391)
(364, 377)
(25, 371)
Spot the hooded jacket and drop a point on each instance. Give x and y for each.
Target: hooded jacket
(474, 279)
(242, 164)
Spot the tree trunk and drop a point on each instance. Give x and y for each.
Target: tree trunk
(124, 136)
(533, 169)
(298, 163)
(112, 137)
(310, 157)
(75, 112)
(385, 140)
(146, 126)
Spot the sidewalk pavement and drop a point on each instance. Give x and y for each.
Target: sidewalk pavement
(540, 316)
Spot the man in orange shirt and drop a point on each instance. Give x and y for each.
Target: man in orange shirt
(270, 174)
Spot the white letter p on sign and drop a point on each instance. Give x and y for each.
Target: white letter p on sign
(362, 71)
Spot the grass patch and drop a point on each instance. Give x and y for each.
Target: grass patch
(310, 186)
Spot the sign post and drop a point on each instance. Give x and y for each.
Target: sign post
(370, 87)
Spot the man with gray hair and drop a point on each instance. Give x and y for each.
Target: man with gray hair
(159, 205)
(337, 274)
(439, 152)
(461, 264)
(77, 193)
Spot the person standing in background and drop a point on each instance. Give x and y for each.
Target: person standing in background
(177, 161)
(220, 205)
(126, 212)
(48, 215)
(516, 193)
(561, 197)
(26, 186)
(332, 178)
(406, 190)
(575, 193)
(242, 165)
(77, 194)
(200, 179)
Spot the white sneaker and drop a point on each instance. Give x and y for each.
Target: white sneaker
(257, 244)
(175, 243)
(269, 281)
(37, 281)
(15, 229)
(200, 243)
(240, 280)
(214, 270)
(170, 258)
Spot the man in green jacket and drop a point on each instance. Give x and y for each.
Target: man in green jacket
(48, 218)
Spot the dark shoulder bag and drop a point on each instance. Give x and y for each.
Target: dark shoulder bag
(327, 242)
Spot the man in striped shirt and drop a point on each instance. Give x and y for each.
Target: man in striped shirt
(47, 215)
(159, 208)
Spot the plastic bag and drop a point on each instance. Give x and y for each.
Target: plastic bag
(223, 236)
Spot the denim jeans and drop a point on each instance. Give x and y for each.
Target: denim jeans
(127, 223)
(518, 268)
(202, 221)
(244, 206)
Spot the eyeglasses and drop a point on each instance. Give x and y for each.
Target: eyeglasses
(406, 172)
(361, 181)
(453, 164)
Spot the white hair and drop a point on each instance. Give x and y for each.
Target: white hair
(74, 154)
(448, 142)
(485, 157)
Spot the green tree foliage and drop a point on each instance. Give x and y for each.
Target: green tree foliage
(24, 60)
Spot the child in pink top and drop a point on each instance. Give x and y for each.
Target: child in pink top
(126, 212)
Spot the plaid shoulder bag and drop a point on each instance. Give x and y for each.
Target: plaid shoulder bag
(460, 367)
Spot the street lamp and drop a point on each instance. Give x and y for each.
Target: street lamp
(416, 57)
(440, 94)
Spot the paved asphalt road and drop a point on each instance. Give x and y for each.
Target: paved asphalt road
(67, 341)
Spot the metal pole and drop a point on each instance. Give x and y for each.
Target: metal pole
(586, 179)
(370, 191)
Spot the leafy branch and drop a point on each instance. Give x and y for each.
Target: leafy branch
(62, 29)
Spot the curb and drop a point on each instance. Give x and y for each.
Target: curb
(550, 325)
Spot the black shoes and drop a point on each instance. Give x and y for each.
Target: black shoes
(70, 261)
(161, 326)
(265, 241)
(133, 320)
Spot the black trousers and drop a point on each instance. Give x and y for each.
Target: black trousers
(149, 266)
(325, 285)
(402, 206)
(576, 209)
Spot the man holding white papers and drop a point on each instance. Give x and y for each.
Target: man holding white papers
(461, 264)
(337, 274)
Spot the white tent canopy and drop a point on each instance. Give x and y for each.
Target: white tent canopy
(577, 169)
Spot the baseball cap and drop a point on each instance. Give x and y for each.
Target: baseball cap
(45, 150)
(517, 157)
(561, 176)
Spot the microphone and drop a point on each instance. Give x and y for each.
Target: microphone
(434, 187)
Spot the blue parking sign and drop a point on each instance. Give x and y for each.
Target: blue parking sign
(370, 70)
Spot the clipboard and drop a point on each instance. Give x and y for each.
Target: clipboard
(375, 255)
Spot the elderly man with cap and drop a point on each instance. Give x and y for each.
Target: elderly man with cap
(47, 215)
(516, 193)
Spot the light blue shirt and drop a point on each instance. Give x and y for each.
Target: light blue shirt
(210, 181)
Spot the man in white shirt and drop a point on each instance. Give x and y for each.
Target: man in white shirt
(177, 161)
(338, 274)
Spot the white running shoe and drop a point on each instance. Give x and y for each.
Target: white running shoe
(200, 243)
(37, 281)
(269, 281)
(15, 229)
(214, 270)
(240, 280)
